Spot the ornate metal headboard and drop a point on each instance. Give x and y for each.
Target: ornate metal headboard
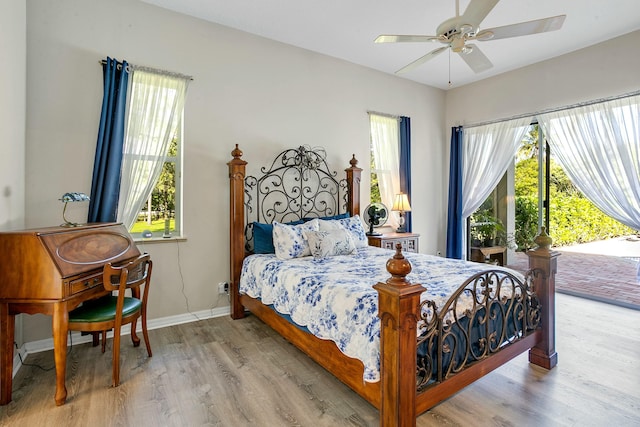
(297, 185)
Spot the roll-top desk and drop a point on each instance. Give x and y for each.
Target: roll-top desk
(52, 271)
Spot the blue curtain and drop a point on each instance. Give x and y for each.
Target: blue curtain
(105, 185)
(405, 163)
(454, 217)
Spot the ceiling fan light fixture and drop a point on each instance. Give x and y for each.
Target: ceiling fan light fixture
(466, 29)
(457, 44)
(467, 49)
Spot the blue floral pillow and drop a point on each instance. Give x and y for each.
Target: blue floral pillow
(263, 237)
(330, 243)
(289, 240)
(352, 225)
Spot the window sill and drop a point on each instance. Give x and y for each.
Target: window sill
(159, 239)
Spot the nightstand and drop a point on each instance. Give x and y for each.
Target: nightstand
(409, 241)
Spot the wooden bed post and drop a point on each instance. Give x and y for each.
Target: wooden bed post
(237, 168)
(543, 258)
(398, 309)
(353, 184)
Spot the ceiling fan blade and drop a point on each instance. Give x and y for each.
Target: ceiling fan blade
(477, 10)
(522, 29)
(422, 59)
(475, 59)
(399, 38)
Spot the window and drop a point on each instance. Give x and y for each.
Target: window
(508, 217)
(385, 159)
(160, 214)
(149, 202)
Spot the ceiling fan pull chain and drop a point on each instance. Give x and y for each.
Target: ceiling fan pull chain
(449, 67)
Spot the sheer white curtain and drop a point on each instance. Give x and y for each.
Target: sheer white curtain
(385, 137)
(599, 148)
(487, 152)
(155, 110)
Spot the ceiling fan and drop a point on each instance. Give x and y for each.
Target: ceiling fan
(456, 32)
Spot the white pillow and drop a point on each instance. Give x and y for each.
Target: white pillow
(352, 225)
(330, 243)
(289, 241)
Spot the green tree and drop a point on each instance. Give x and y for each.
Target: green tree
(573, 218)
(163, 196)
(165, 191)
(529, 147)
(526, 178)
(375, 189)
(526, 222)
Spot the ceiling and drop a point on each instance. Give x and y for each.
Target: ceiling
(346, 29)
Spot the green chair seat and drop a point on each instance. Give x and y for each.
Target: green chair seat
(103, 309)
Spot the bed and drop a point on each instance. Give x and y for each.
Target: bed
(423, 327)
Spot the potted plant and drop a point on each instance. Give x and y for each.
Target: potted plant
(485, 228)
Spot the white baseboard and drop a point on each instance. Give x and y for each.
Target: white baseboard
(76, 337)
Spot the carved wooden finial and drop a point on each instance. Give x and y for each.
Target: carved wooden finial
(353, 162)
(237, 152)
(543, 240)
(398, 267)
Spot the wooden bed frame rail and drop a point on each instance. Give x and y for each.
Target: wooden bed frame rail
(399, 310)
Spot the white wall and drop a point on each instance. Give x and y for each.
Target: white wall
(13, 50)
(603, 70)
(263, 95)
(13, 77)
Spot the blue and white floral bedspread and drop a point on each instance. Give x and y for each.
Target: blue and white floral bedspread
(334, 297)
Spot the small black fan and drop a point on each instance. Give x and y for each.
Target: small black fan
(375, 215)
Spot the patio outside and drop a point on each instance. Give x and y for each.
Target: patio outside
(606, 270)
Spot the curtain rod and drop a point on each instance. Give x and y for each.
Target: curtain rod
(553, 110)
(392, 116)
(139, 67)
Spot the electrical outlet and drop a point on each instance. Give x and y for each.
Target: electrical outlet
(223, 288)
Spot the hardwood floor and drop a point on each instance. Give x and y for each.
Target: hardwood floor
(222, 372)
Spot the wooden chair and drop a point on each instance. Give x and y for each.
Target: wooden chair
(113, 311)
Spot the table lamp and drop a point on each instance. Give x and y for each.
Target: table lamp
(71, 197)
(401, 204)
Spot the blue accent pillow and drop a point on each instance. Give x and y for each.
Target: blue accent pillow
(329, 218)
(263, 237)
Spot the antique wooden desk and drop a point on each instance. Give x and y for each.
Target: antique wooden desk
(51, 271)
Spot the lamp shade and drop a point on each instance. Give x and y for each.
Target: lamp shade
(74, 197)
(401, 203)
(71, 197)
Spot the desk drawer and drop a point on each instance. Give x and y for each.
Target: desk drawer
(84, 283)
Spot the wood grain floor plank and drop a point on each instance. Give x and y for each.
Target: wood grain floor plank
(221, 372)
